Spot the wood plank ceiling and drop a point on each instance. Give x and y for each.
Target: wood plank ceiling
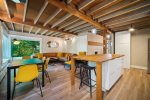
(59, 18)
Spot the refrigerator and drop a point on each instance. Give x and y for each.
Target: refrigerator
(148, 56)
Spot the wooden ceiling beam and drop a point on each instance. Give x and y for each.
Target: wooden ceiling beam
(145, 19)
(53, 35)
(5, 26)
(61, 20)
(68, 23)
(52, 17)
(117, 7)
(38, 31)
(85, 29)
(80, 27)
(7, 8)
(30, 29)
(25, 10)
(130, 18)
(5, 17)
(49, 33)
(125, 11)
(41, 11)
(44, 32)
(84, 4)
(75, 25)
(22, 28)
(12, 25)
(105, 4)
(77, 13)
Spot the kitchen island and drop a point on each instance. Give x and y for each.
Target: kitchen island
(99, 59)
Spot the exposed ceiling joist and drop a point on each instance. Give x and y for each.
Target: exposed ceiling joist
(122, 5)
(30, 29)
(68, 23)
(125, 11)
(103, 5)
(69, 1)
(55, 34)
(22, 27)
(75, 25)
(38, 31)
(41, 11)
(4, 17)
(80, 27)
(25, 10)
(49, 33)
(7, 9)
(130, 18)
(84, 4)
(4, 25)
(44, 32)
(142, 20)
(85, 29)
(77, 13)
(61, 20)
(52, 16)
(12, 25)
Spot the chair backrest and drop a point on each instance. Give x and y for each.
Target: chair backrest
(82, 53)
(26, 73)
(40, 56)
(26, 57)
(46, 63)
(59, 54)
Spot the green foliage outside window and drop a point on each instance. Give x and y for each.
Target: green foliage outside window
(25, 48)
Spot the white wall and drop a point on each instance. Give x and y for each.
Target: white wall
(43, 39)
(122, 46)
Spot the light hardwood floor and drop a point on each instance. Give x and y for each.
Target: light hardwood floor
(133, 85)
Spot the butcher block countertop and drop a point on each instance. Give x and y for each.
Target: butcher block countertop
(98, 57)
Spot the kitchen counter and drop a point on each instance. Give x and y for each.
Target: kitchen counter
(99, 59)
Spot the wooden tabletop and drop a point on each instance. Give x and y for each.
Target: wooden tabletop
(98, 57)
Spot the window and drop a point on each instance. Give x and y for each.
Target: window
(24, 48)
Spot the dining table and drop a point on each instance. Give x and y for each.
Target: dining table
(15, 64)
(99, 59)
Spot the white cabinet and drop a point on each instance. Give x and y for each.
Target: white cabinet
(112, 70)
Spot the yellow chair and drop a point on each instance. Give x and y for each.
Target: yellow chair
(45, 67)
(82, 53)
(68, 63)
(59, 54)
(67, 55)
(40, 55)
(26, 73)
(26, 57)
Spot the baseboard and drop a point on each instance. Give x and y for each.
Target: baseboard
(139, 67)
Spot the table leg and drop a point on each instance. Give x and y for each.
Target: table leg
(72, 71)
(98, 81)
(8, 84)
(43, 75)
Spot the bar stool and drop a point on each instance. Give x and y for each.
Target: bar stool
(86, 77)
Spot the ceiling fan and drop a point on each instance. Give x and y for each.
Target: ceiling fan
(19, 1)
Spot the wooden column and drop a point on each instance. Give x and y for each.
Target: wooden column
(72, 71)
(98, 81)
(104, 33)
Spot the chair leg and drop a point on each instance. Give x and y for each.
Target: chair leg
(37, 84)
(13, 90)
(81, 77)
(90, 84)
(48, 76)
(33, 82)
(40, 86)
(95, 72)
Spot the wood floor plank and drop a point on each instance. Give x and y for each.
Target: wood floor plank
(133, 85)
